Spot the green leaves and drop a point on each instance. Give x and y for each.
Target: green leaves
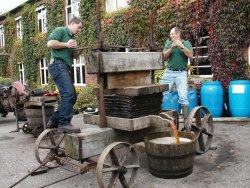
(29, 31)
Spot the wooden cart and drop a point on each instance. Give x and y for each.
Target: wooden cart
(112, 138)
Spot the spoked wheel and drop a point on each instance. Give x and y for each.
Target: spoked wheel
(49, 145)
(37, 130)
(120, 161)
(200, 121)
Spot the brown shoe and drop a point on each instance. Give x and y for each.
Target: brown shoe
(69, 129)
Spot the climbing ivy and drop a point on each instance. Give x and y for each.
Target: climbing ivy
(9, 40)
(29, 32)
(54, 14)
(225, 21)
(87, 36)
(17, 54)
(230, 29)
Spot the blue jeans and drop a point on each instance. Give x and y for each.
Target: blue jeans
(61, 75)
(180, 79)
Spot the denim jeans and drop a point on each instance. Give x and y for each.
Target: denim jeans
(61, 75)
(180, 79)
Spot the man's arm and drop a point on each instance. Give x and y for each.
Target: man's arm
(185, 49)
(168, 47)
(167, 53)
(56, 44)
(187, 52)
(59, 45)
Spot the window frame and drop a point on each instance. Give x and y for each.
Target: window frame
(19, 32)
(42, 15)
(2, 36)
(80, 65)
(21, 73)
(74, 12)
(43, 71)
(115, 5)
(200, 56)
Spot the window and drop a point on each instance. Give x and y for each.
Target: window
(113, 5)
(43, 71)
(42, 21)
(72, 9)
(2, 40)
(79, 71)
(200, 64)
(19, 27)
(21, 73)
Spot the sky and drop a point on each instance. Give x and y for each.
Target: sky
(6, 5)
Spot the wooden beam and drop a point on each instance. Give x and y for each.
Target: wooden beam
(124, 61)
(139, 90)
(126, 79)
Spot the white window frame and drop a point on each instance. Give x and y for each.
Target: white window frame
(73, 6)
(41, 15)
(79, 63)
(2, 37)
(19, 33)
(200, 56)
(21, 73)
(43, 71)
(114, 5)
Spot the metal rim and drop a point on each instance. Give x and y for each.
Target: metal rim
(200, 121)
(118, 167)
(49, 144)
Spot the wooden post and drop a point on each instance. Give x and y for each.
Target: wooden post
(103, 121)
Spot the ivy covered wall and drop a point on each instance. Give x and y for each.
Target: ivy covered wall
(225, 21)
(32, 47)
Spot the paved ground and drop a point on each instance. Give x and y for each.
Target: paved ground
(228, 166)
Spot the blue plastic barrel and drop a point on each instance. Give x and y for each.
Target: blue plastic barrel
(192, 99)
(212, 97)
(170, 101)
(239, 98)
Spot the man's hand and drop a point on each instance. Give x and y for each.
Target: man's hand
(174, 44)
(71, 43)
(177, 44)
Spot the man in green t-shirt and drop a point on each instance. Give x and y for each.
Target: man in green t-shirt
(177, 51)
(61, 42)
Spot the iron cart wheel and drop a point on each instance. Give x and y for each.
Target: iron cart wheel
(200, 121)
(49, 146)
(120, 161)
(37, 130)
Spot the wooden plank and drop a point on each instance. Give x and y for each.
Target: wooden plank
(93, 140)
(43, 98)
(119, 123)
(139, 90)
(124, 62)
(126, 79)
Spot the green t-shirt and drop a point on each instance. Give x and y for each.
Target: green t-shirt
(177, 59)
(62, 34)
